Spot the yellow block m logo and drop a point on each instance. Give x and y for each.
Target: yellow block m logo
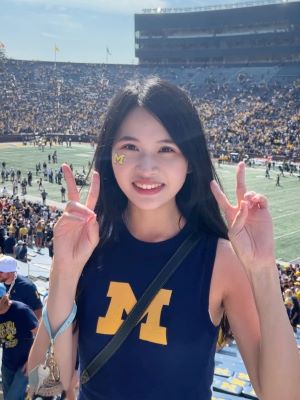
(119, 158)
(123, 300)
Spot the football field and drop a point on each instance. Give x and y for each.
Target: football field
(284, 201)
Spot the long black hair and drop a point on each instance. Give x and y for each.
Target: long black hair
(176, 112)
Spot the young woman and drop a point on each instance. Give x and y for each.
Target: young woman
(157, 185)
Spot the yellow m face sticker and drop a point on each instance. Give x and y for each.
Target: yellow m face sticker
(119, 158)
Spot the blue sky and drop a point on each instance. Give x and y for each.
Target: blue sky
(81, 29)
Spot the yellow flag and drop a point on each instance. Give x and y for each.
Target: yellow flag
(56, 48)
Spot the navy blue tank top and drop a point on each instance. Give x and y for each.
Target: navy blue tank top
(170, 353)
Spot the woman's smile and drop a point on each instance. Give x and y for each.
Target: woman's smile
(148, 187)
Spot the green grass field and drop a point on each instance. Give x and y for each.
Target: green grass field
(284, 200)
(26, 157)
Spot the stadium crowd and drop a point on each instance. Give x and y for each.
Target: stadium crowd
(252, 114)
(24, 224)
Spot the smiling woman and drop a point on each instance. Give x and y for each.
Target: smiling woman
(159, 189)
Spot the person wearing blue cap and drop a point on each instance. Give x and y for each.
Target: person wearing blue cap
(18, 325)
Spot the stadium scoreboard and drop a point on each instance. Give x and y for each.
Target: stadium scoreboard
(246, 34)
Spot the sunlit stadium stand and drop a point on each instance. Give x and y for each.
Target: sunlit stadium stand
(253, 109)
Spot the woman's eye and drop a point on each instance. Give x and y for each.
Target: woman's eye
(129, 146)
(166, 149)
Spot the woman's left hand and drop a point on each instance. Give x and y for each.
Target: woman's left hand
(250, 228)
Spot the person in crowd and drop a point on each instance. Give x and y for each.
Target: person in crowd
(9, 244)
(19, 287)
(23, 231)
(21, 251)
(18, 324)
(30, 228)
(40, 184)
(50, 248)
(158, 185)
(4, 191)
(44, 195)
(29, 178)
(293, 307)
(63, 194)
(15, 187)
(39, 233)
(2, 238)
(277, 180)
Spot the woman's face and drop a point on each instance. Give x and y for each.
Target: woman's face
(148, 166)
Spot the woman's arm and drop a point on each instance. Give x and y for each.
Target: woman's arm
(76, 234)
(260, 326)
(270, 351)
(59, 305)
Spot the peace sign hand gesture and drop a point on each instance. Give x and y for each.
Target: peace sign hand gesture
(76, 233)
(249, 223)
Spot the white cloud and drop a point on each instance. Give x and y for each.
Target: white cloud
(66, 22)
(49, 35)
(116, 6)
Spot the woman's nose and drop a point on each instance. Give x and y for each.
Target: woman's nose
(147, 163)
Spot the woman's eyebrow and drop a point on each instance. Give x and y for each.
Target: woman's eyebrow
(134, 139)
(170, 141)
(126, 138)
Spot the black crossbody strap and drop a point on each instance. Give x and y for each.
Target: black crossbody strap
(140, 307)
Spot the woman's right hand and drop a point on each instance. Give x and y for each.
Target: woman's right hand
(76, 233)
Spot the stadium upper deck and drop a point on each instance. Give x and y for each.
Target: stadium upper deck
(242, 35)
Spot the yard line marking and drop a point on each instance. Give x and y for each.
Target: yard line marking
(295, 259)
(266, 192)
(286, 215)
(287, 234)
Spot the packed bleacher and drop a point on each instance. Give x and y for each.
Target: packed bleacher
(254, 110)
(20, 224)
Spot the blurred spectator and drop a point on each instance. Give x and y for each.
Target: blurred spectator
(292, 305)
(44, 196)
(17, 326)
(9, 244)
(21, 251)
(19, 287)
(39, 234)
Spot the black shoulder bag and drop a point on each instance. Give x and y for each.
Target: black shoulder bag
(140, 307)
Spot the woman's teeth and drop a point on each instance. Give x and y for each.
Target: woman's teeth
(144, 186)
